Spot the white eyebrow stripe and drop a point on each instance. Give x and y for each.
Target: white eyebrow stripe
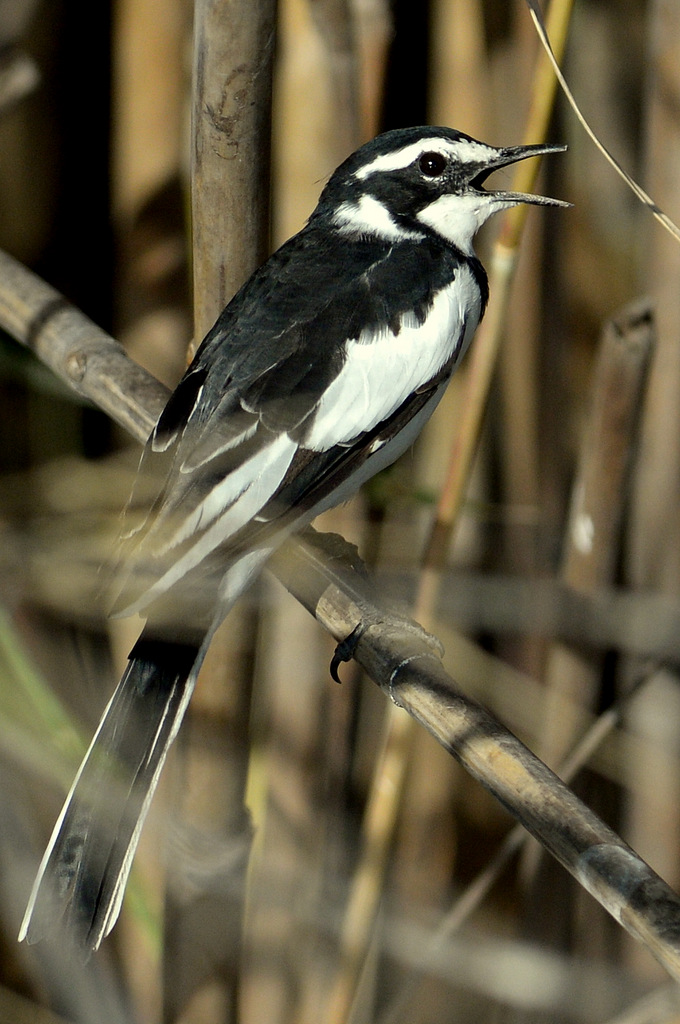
(462, 150)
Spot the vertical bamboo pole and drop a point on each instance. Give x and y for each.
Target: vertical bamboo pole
(232, 75)
(590, 559)
(654, 550)
(231, 126)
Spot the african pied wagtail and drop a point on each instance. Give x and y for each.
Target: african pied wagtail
(318, 374)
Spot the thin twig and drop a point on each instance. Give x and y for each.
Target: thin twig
(545, 35)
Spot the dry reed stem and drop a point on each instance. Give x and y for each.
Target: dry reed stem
(231, 128)
(233, 50)
(364, 897)
(593, 532)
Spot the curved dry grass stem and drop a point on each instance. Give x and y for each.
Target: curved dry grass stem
(545, 37)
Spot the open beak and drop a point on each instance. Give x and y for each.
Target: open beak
(511, 155)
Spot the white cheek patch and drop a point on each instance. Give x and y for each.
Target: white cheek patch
(369, 216)
(458, 218)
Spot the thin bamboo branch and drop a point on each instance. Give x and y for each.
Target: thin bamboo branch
(404, 661)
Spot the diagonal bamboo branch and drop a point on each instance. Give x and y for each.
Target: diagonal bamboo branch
(399, 657)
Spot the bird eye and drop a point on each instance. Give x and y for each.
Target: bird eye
(432, 164)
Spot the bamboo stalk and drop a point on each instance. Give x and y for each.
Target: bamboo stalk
(231, 127)
(232, 84)
(599, 497)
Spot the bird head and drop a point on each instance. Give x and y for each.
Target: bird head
(413, 181)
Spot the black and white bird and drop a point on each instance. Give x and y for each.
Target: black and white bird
(319, 373)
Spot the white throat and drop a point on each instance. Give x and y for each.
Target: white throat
(458, 218)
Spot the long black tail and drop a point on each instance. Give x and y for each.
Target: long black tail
(82, 877)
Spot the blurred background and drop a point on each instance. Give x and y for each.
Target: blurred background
(550, 606)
